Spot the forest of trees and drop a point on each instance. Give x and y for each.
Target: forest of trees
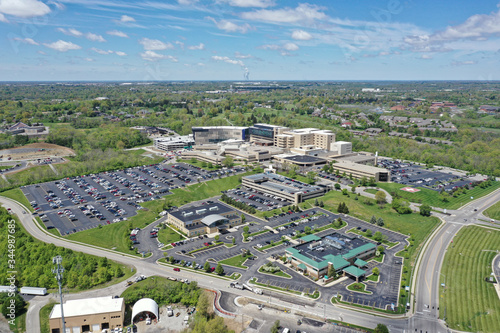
(33, 262)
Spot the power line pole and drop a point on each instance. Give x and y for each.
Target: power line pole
(58, 271)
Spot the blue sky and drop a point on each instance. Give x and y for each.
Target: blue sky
(149, 40)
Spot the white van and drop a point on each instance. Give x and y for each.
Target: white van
(286, 330)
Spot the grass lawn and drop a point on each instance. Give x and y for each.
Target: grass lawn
(430, 197)
(115, 236)
(493, 212)
(300, 178)
(20, 322)
(372, 277)
(18, 195)
(358, 287)
(44, 316)
(471, 303)
(167, 236)
(380, 258)
(371, 190)
(278, 273)
(268, 246)
(236, 261)
(199, 164)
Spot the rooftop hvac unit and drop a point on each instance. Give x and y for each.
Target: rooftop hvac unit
(188, 214)
(201, 211)
(213, 208)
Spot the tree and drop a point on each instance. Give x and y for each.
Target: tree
(368, 233)
(6, 301)
(337, 223)
(307, 229)
(217, 237)
(425, 210)
(376, 271)
(380, 249)
(380, 222)
(344, 192)
(381, 328)
(202, 305)
(234, 241)
(207, 267)
(331, 271)
(373, 220)
(228, 162)
(381, 197)
(316, 203)
(276, 327)
(372, 182)
(337, 186)
(219, 270)
(243, 218)
(246, 229)
(377, 236)
(364, 181)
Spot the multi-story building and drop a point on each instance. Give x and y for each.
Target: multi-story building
(263, 134)
(204, 219)
(287, 138)
(315, 256)
(174, 142)
(88, 315)
(282, 187)
(216, 134)
(359, 171)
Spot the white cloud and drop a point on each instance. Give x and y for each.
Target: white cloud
(3, 19)
(70, 32)
(26, 41)
(187, 2)
(181, 44)
(426, 56)
(117, 33)
(62, 46)
(127, 19)
(94, 37)
(155, 44)
(23, 8)
(238, 55)
(153, 56)
(120, 53)
(229, 26)
(301, 35)
(201, 46)
(228, 60)
(200, 64)
(249, 3)
(466, 62)
(101, 51)
(291, 47)
(303, 13)
(89, 59)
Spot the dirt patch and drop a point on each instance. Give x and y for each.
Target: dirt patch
(32, 151)
(238, 324)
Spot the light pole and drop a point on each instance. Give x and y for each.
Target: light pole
(444, 281)
(58, 271)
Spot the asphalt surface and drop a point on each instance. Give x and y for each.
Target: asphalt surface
(426, 288)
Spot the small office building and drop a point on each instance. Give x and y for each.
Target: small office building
(283, 187)
(359, 171)
(204, 219)
(315, 256)
(88, 315)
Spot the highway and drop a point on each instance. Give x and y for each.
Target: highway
(426, 287)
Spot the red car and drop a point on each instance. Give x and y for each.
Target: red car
(206, 244)
(177, 269)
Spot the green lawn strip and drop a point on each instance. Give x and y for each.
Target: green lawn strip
(258, 233)
(471, 303)
(380, 258)
(44, 316)
(493, 212)
(234, 276)
(236, 261)
(371, 190)
(167, 235)
(278, 273)
(372, 277)
(3, 167)
(432, 198)
(361, 288)
(199, 164)
(268, 246)
(206, 247)
(115, 236)
(298, 177)
(229, 245)
(18, 195)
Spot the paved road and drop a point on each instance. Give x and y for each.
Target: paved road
(427, 287)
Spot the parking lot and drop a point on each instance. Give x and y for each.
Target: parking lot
(258, 200)
(80, 203)
(412, 174)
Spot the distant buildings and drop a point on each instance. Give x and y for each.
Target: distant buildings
(216, 134)
(32, 131)
(173, 142)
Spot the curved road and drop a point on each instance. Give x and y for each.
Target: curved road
(426, 287)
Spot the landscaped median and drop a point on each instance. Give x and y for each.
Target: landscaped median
(359, 287)
(232, 277)
(236, 261)
(206, 247)
(315, 295)
(274, 270)
(371, 236)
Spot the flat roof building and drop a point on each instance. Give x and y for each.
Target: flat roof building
(359, 171)
(315, 255)
(216, 134)
(174, 142)
(88, 315)
(301, 160)
(204, 219)
(287, 138)
(282, 187)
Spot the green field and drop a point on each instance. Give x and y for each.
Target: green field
(236, 261)
(167, 236)
(432, 198)
(493, 212)
(371, 190)
(471, 303)
(18, 195)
